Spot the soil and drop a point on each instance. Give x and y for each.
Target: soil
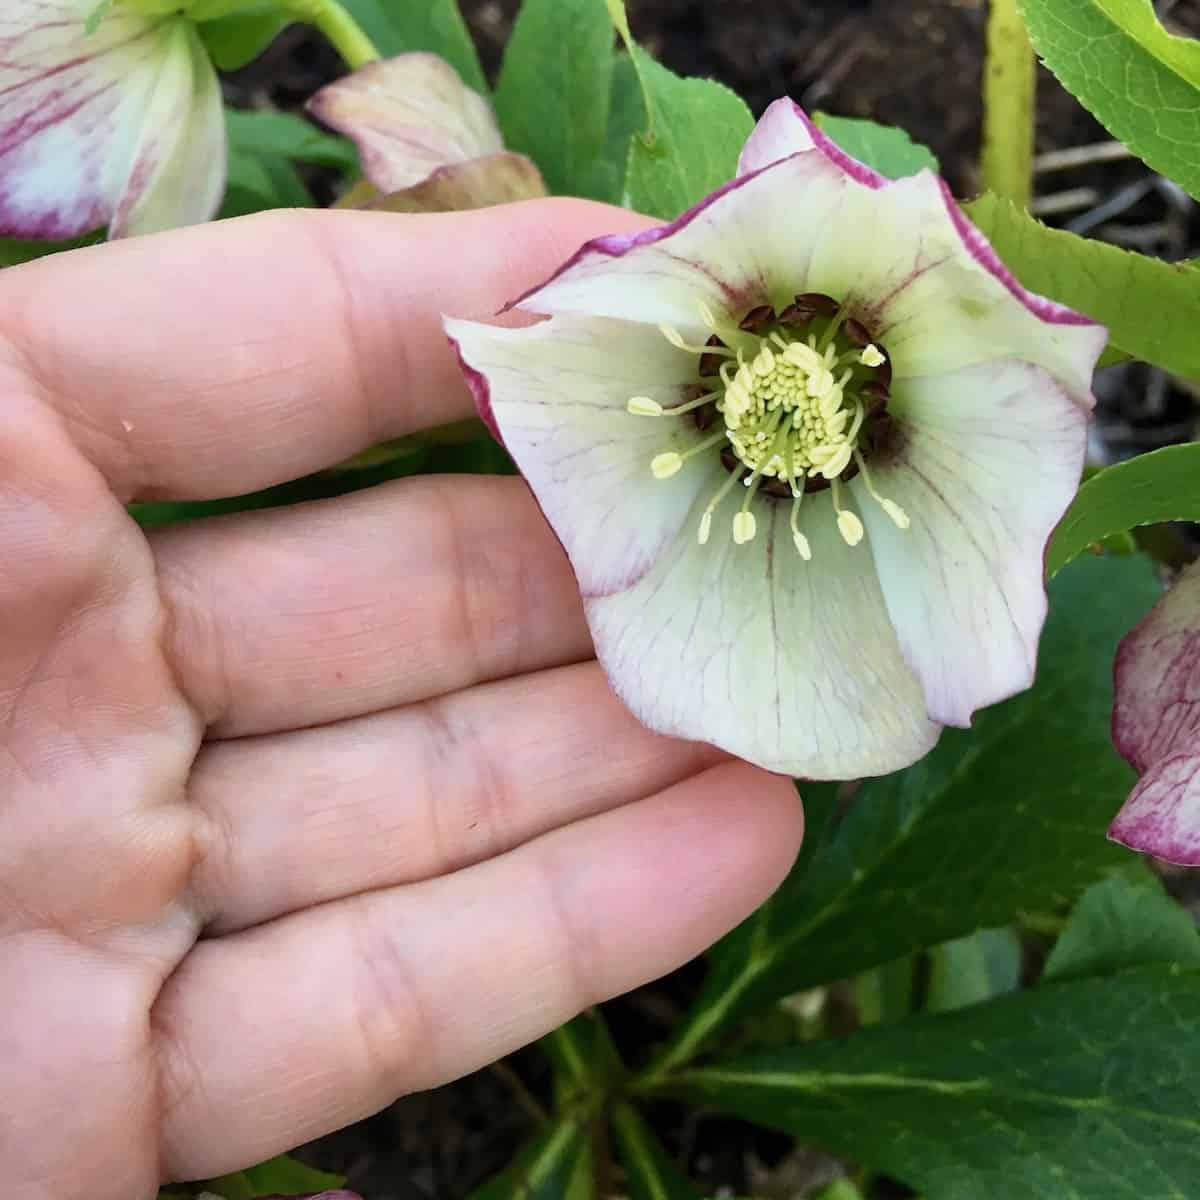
(916, 64)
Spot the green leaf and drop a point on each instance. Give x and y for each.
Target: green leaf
(1006, 816)
(257, 182)
(397, 26)
(585, 1059)
(1141, 83)
(650, 1173)
(14, 251)
(887, 149)
(626, 117)
(1151, 308)
(553, 94)
(1079, 1089)
(1125, 921)
(239, 38)
(1163, 485)
(973, 969)
(557, 1166)
(695, 130)
(886, 993)
(285, 135)
(282, 1176)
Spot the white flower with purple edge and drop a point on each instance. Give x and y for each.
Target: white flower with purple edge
(804, 447)
(1156, 726)
(120, 126)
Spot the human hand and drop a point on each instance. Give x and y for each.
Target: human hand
(306, 808)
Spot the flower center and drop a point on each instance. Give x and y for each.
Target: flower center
(801, 394)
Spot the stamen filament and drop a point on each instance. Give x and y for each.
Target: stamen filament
(721, 493)
(676, 339)
(798, 539)
(893, 510)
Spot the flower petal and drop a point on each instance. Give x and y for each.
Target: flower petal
(926, 283)
(177, 175)
(556, 392)
(91, 123)
(789, 664)
(1157, 707)
(748, 243)
(784, 129)
(1162, 815)
(986, 460)
(408, 116)
(480, 183)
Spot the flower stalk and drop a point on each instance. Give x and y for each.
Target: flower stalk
(339, 28)
(1009, 95)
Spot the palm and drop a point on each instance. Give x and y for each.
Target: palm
(307, 808)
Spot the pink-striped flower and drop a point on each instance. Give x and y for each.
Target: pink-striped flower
(1156, 726)
(804, 447)
(116, 126)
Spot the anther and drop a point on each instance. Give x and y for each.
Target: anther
(676, 339)
(744, 527)
(643, 406)
(798, 539)
(849, 526)
(893, 510)
(663, 466)
(871, 357)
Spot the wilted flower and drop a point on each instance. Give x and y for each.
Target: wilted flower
(804, 447)
(119, 126)
(1156, 726)
(426, 140)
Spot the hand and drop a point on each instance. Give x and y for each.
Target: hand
(307, 808)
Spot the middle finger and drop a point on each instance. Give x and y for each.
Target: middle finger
(293, 617)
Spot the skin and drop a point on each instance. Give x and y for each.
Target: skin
(302, 810)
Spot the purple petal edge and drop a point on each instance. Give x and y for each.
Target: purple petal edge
(616, 245)
(857, 171)
(979, 248)
(481, 393)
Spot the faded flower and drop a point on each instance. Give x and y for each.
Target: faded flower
(1156, 726)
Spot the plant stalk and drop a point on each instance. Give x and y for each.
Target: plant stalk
(339, 27)
(1009, 94)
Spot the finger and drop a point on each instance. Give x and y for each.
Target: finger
(298, 616)
(227, 357)
(421, 791)
(273, 1036)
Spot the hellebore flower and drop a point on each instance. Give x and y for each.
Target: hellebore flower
(804, 447)
(428, 143)
(1156, 726)
(120, 127)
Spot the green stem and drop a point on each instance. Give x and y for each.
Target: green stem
(1009, 88)
(339, 27)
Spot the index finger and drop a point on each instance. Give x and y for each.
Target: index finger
(229, 357)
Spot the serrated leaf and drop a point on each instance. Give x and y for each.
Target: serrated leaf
(1139, 82)
(1150, 307)
(282, 1176)
(1125, 921)
(1007, 816)
(649, 1172)
(1163, 485)
(238, 39)
(626, 117)
(1073, 1090)
(973, 969)
(886, 148)
(285, 135)
(553, 94)
(557, 1166)
(695, 130)
(397, 26)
